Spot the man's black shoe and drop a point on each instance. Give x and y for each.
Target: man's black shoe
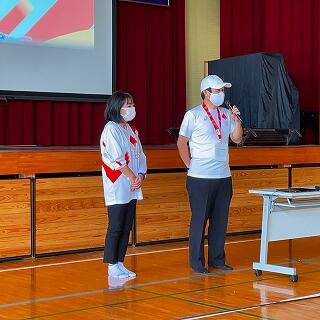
(222, 267)
(200, 270)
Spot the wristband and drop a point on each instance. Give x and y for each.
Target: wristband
(143, 175)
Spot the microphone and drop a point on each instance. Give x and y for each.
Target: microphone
(227, 103)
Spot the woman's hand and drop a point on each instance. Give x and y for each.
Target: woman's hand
(136, 182)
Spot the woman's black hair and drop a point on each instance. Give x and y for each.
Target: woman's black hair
(114, 104)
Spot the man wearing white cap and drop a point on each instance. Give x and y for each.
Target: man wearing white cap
(203, 147)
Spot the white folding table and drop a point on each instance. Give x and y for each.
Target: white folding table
(287, 214)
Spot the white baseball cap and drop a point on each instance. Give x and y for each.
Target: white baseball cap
(213, 81)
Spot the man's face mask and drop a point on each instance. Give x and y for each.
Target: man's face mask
(217, 98)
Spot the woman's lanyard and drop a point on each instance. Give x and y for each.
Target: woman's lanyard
(215, 125)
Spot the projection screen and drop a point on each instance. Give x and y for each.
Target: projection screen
(57, 48)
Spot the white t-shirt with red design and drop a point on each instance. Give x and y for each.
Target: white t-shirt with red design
(209, 154)
(120, 146)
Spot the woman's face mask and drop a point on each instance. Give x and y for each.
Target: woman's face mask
(129, 113)
(217, 98)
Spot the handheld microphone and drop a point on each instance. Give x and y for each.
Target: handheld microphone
(227, 103)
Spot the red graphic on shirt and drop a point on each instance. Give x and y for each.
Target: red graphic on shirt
(224, 116)
(113, 175)
(127, 158)
(133, 140)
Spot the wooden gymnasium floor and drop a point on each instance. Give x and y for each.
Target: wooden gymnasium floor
(77, 287)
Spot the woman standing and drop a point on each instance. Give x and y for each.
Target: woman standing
(123, 171)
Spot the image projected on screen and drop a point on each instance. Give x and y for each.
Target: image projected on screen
(54, 22)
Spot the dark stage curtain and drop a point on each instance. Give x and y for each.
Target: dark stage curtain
(290, 27)
(150, 65)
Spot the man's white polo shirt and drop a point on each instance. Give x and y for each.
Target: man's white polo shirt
(209, 155)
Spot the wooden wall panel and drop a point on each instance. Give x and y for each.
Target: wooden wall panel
(246, 209)
(302, 177)
(276, 155)
(70, 214)
(162, 158)
(164, 213)
(33, 160)
(15, 218)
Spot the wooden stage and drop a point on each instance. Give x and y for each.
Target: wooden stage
(52, 201)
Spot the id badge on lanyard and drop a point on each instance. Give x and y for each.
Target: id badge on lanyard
(216, 127)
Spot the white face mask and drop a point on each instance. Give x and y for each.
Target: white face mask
(130, 114)
(217, 98)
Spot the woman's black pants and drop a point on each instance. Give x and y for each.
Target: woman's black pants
(120, 223)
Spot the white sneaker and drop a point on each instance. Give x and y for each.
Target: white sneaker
(121, 266)
(115, 272)
(116, 282)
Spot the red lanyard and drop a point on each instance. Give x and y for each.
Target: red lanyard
(215, 125)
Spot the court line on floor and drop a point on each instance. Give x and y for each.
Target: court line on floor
(91, 292)
(224, 311)
(156, 295)
(241, 310)
(133, 286)
(97, 259)
(138, 286)
(85, 309)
